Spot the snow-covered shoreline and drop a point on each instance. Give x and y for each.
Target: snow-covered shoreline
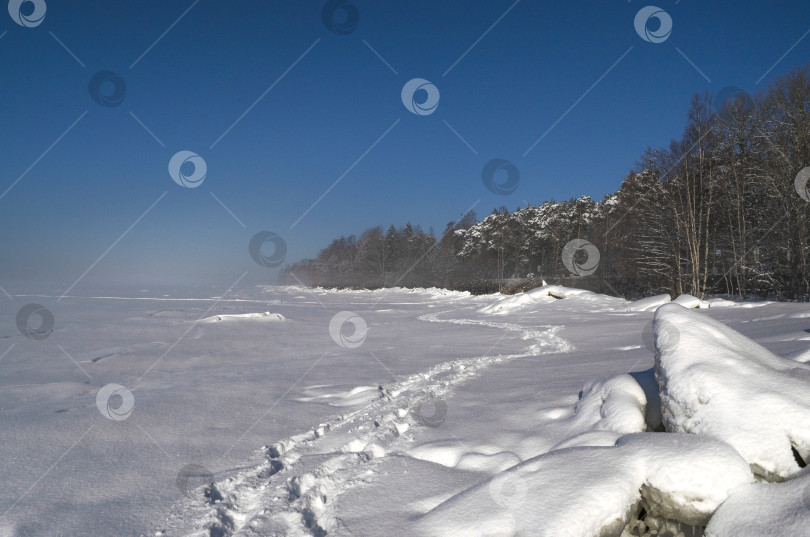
(452, 412)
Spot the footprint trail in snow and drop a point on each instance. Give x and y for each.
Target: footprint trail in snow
(293, 490)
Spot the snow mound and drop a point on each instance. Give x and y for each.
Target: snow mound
(648, 303)
(685, 479)
(689, 301)
(545, 295)
(764, 509)
(719, 303)
(607, 409)
(616, 404)
(716, 382)
(587, 491)
(266, 316)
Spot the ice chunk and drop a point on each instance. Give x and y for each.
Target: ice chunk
(686, 488)
(615, 404)
(764, 509)
(587, 491)
(719, 303)
(716, 382)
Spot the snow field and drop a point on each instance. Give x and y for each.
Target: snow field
(292, 492)
(606, 474)
(448, 415)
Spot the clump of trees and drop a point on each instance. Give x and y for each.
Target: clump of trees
(716, 212)
(403, 257)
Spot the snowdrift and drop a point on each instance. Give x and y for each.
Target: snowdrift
(734, 414)
(689, 301)
(587, 491)
(266, 316)
(548, 294)
(718, 383)
(652, 303)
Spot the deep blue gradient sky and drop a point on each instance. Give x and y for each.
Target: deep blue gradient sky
(326, 112)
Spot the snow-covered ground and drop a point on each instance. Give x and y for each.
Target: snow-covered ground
(286, 411)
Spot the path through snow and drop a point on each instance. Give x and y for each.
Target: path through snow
(293, 491)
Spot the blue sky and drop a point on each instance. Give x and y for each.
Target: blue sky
(576, 72)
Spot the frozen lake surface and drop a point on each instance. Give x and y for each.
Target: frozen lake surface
(401, 418)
